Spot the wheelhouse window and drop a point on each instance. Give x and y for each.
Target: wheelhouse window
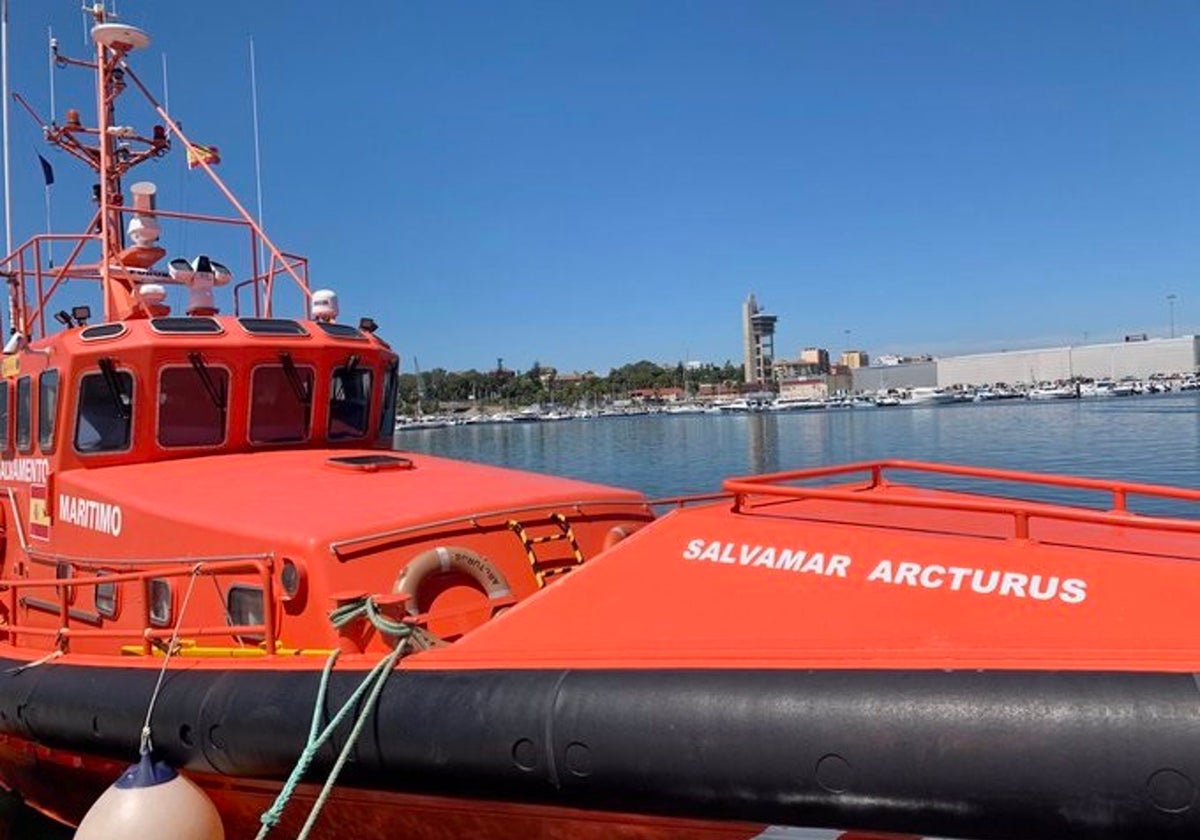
(192, 404)
(349, 401)
(387, 407)
(104, 418)
(24, 414)
(281, 402)
(5, 428)
(47, 408)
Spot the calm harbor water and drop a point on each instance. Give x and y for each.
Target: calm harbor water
(1153, 438)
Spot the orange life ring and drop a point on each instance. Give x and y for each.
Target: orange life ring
(620, 533)
(452, 559)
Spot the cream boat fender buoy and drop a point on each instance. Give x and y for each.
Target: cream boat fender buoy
(152, 801)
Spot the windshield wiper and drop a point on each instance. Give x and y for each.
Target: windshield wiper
(293, 378)
(214, 393)
(113, 383)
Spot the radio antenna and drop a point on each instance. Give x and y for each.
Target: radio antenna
(52, 60)
(4, 92)
(257, 155)
(166, 89)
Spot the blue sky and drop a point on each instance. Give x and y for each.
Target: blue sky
(586, 184)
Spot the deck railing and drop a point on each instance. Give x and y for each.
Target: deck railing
(34, 273)
(780, 485)
(71, 622)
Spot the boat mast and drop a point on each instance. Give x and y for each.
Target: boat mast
(112, 149)
(8, 243)
(108, 86)
(12, 286)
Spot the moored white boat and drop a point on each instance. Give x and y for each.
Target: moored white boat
(1053, 392)
(795, 404)
(926, 395)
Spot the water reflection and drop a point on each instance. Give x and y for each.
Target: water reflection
(763, 439)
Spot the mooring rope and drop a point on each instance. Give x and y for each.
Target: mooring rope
(372, 685)
(368, 708)
(54, 654)
(147, 745)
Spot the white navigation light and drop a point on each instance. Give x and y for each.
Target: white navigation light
(143, 227)
(324, 305)
(143, 193)
(200, 276)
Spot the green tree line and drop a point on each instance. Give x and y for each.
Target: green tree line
(544, 385)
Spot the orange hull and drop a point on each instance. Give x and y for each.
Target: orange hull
(43, 775)
(46, 776)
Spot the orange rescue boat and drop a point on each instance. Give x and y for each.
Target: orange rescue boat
(212, 556)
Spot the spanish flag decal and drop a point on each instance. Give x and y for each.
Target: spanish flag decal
(39, 512)
(197, 154)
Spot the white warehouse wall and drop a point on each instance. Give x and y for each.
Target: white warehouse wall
(1138, 359)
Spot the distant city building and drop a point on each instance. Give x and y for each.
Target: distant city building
(710, 389)
(855, 358)
(758, 334)
(657, 395)
(840, 379)
(573, 378)
(818, 356)
(806, 380)
(804, 388)
(787, 369)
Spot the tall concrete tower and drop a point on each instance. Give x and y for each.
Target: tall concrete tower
(758, 343)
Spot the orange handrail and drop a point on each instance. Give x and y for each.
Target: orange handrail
(1022, 511)
(264, 569)
(15, 266)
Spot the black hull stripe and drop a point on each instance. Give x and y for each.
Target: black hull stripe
(1022, 754)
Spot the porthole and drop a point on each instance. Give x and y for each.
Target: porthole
(159, 593)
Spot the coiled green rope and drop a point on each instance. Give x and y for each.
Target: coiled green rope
(366, 608)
